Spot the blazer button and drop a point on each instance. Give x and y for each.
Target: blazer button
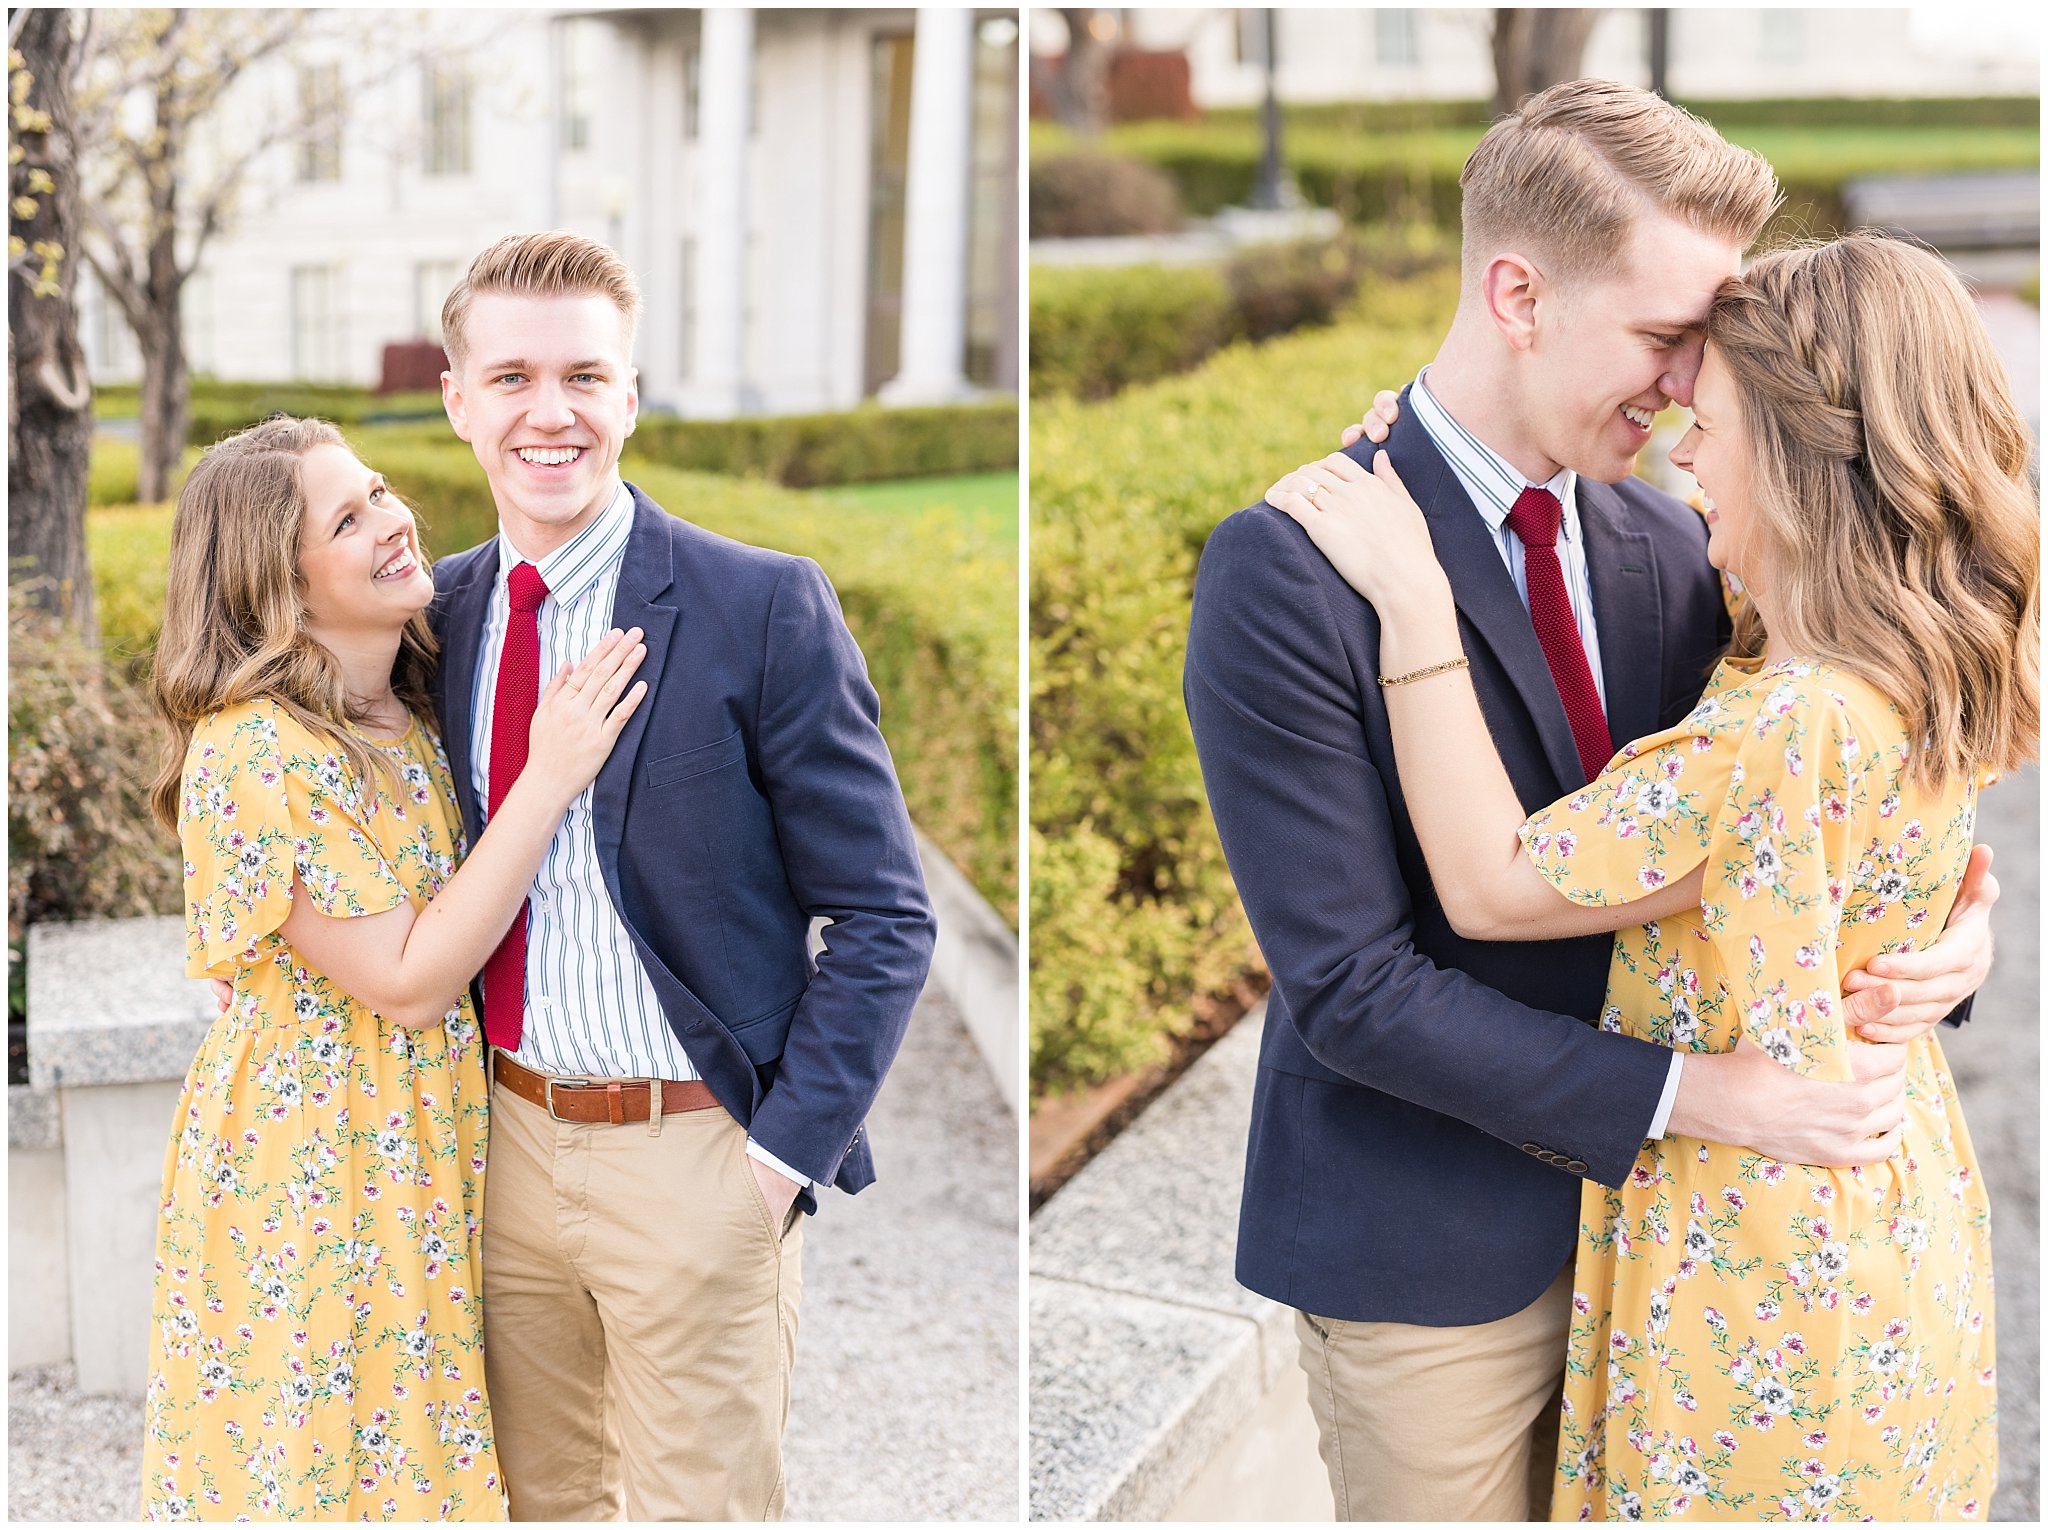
(1576, 1166)
(1530, 1147)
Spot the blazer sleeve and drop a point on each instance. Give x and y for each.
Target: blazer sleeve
(850, 857)
(1309, 834)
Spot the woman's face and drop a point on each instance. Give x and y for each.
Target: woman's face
(1716, 452)
(359, 552)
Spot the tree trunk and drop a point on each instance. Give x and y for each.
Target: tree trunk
(1535, 49)
(49, 416)
(166, 382)
(1081, 94)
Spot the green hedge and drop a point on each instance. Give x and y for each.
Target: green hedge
(930, 594)
(1776, 112)
(1412, 175)
(861, 445)
(1097, 329)
(1133, 914)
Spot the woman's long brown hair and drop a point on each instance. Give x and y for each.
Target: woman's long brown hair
(234, 609)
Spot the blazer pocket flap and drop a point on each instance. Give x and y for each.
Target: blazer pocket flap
(731, 749)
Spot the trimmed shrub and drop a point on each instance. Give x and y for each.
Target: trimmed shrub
(931, 599)
(1095, 330)
(1412, 175)
(862, 445)
(1091, 194)
(1133, 912)
(865, 445)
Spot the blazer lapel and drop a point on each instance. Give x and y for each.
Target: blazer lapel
(1629, 610)
(646, 571)
(1481, 585)
(466, 605)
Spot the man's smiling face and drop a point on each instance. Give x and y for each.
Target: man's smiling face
(1617, 349)
(546, 398)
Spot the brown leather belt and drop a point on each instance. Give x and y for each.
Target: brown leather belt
(599, 1099)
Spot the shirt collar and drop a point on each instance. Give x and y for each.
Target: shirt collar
(1498, 483)
(574, 566)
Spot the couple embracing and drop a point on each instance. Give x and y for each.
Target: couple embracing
(1614, 860)
(608, 767)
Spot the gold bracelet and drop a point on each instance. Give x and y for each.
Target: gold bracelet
(1461, 662)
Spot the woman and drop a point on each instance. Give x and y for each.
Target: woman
(1755, 1339)
(317, 1339)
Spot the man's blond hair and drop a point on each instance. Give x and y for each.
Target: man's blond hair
(1564, 179)
(554, 264)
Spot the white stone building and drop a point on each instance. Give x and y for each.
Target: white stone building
(1391, 53)
(820, 204)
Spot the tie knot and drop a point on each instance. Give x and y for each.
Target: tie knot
(1536, 517)
(526, 588)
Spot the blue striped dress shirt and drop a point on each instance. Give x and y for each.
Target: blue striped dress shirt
(590, 1009)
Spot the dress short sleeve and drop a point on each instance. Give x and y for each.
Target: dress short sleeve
(263, 797)
(1648, 818)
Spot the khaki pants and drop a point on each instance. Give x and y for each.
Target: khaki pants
(1446, 1424)
(639, 1318)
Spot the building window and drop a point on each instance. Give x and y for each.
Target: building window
(1783, 39)
(447, 121)
(432, 281)
(578, 88)
(320, 122)
(315, 356)
(1394, 41)
(888, 182)
(693, 73)
(991, 350)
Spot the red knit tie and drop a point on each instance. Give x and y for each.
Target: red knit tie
(511, 722)
(1535, 520)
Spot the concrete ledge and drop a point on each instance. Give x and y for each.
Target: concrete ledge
(108, 1002)
(975, 965)
(1146, 1355)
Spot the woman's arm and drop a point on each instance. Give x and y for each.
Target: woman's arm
(1457, 791)
(411, 966)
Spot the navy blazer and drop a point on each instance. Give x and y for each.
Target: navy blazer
(1418, 1092)
(750, 792)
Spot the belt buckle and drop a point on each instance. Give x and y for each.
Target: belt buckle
(548, 1082)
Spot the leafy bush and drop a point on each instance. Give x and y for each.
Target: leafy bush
(1788, 112)
(1133, 911)
(1097, 329)
(1090, 194)
(930, 595)
(81, 745)
(1287, 287)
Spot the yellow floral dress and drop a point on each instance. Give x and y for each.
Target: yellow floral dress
(316, 1338)
(1755, 1340)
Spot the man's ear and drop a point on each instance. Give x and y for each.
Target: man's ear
(452, 401)
(1510, 287)
(632, 398)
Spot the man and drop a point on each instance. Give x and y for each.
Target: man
(1426, 1105)
(672, 1076)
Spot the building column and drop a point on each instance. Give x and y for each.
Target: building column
(718, 342)
(934, 337)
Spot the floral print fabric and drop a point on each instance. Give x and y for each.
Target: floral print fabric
(1755, 1340)
(316, 1339)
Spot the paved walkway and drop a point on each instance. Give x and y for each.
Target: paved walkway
(904, 1403)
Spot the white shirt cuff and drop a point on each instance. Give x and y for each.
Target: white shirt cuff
(755, 1150)
(1668, 1099)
